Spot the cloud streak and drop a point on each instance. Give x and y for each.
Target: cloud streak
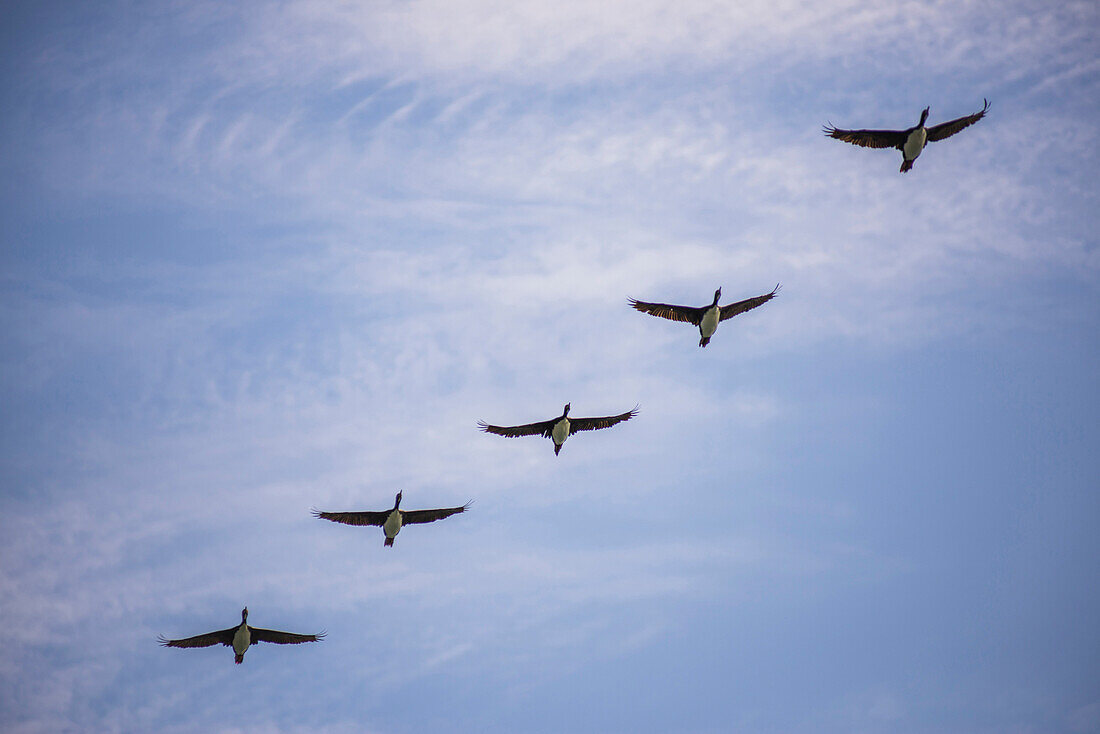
(365, 228)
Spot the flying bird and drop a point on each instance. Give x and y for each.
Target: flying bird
(240, 637)
(558, 429)
(910, 142)
(706, 318)
(391, 521)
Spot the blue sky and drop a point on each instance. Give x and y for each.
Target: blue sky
(269, 257)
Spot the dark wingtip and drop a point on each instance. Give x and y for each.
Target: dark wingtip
(320, 635)
(466, 506)
(315, 512)
(162, 640)
(775, 290)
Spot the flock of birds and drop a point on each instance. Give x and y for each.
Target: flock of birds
(706, 318)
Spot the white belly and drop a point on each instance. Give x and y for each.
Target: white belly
(393, 524)
(561, 431)
(914, 144)
(709, 323)
(242, 638)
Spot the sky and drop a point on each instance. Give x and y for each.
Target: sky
(258, 258)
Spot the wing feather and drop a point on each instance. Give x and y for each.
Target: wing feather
(421, 516)
(595, 424)
(542, 428)
(224, 637)
(355, 518)
(282, 638)
(947, 129)
(688, 314)
(868, 138)
(732, 309)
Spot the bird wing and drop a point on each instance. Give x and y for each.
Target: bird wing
(595, 424)
(225, 637)
(422, 516)
(282, 638)
(542, 428)
(690, 314)
(355, 518)
(868, 138)
(947, 129)
(732, 309)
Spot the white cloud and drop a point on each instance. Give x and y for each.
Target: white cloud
(576, 41)
(482, 186)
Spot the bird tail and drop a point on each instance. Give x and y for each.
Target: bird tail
(906, 165)
(239, 658)
(388, 543)
(557, 448)
(704, 341)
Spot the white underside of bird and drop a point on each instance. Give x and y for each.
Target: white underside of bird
(709, 324)
(914, 144)
(392, 526)
(242, 638)
(560, 431)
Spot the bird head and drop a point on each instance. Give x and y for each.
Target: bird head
(397, 501)
(566, 409)
(717, 295)
(244, 614)
(924, 115)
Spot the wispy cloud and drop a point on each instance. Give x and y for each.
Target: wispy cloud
(418, 215)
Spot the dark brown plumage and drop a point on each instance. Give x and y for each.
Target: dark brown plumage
(947, 129)
(546, 428)
(391, 521)
(408, 517)
(687, 314)
(695, 315)
(733, 309)
(869, 138)
(595, 424)
(255, 634)
(542, 428)
(225, 637)
(901, 139)
(354, 518)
